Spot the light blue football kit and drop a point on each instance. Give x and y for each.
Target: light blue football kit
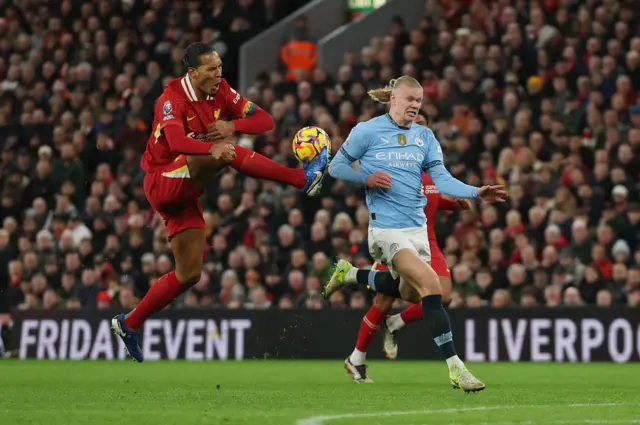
(397, 219)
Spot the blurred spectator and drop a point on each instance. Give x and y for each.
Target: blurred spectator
(518, 93)
(298, 53)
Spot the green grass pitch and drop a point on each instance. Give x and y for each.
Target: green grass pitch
(313, 393)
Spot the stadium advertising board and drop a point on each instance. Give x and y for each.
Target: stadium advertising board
(537, 335)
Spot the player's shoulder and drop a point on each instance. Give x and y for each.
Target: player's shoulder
(226, 93)
(423, 130)
(172, 100)
(174, 88)
(379, 121)
(425, 138)
(369, 126)
(174, 92)
(226, 89)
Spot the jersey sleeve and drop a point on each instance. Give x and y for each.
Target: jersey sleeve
(170, 111)
(351, 151)
(356, 144)
(169, 115)
(434, 165)
(433, 151)
(236, 105)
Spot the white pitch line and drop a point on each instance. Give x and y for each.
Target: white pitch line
(582, 421)
(320, 420)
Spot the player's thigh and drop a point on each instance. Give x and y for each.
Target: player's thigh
(169, 188)
(174, 196)
(385, 243)
(188, 250)
(204, 168)
(416, 273)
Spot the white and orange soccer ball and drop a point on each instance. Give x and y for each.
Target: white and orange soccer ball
(309, 142)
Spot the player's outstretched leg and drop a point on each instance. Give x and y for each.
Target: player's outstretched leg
(417, 277)
(345, 274)
(188, 248)
(308, 179)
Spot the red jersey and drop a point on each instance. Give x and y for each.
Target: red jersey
(435, 201)
(179, 106)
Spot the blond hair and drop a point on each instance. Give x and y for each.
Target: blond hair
(383, 95)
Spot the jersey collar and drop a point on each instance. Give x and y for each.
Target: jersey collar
(395, 123)
(189, 91)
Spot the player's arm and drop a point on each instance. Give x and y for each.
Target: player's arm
(447, 204)
(444, 181)
(351, 151)
(170, 114)
(247, 117)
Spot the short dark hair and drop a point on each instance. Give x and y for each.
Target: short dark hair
(191, 57)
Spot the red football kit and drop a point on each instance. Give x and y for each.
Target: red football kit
(435, 202)
(180, 129)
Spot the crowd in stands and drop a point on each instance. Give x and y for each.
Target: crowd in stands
(539, 96)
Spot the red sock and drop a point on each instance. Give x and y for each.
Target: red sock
(160, 295)
(255, 165)
(369, 328)
(412, 313)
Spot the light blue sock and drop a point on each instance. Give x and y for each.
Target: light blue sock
(371, 279)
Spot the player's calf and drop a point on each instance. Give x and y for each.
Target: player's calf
(384, 303)
(380, 281)
(419, 276)
(188, 249)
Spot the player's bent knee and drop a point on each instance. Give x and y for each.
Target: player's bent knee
(188, 247)
(408, 292)
(383, 302)
(430, 284)
(189, 277)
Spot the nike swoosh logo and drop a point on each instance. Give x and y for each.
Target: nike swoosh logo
(191, 118)
(384, 140)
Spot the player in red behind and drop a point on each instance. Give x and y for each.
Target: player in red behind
(413, 312)
(195, 118)
(377, 314)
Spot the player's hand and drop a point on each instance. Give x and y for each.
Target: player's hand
(492, 193)
(223, 151)
(220, 130)
(462, 204)
(380, 180)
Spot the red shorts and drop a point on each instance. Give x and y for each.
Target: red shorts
(438, 264)
(172, 193)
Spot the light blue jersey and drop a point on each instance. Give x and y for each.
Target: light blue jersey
(403, 153)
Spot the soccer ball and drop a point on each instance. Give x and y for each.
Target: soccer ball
(309, 142)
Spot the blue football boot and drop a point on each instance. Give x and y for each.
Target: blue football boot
(315, 171)
(131, 339)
